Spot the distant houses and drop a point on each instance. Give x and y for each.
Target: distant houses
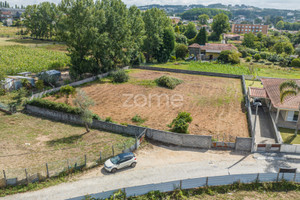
(209, 51)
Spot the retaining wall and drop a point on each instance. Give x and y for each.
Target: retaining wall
(288, 148)
(185, 140)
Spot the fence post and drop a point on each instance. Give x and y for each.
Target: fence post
(136, 144)
(4, 175)
(113, 150)
(277, 177)
(47, 169)
(293, 179)
(100, 156)
(257, 178)
(26, 176)
(124, 193)
(85, 160)
(206, 182)
(180, 184)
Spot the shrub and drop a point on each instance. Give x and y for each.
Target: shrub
(40, 84)
(61, 107)
(173, 58)
(248, 59)
(181, 123)
(296, 62)
(229, 57)
(181, 51)
(264, 55)
(57, 66)
(257, 57)
(168, 82)
(25, 83)
(138, 119)
(2, 92)
(119, 76)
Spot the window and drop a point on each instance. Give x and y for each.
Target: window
(296, 115)
(292, 116)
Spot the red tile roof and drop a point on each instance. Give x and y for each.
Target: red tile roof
(218, 47)
(195, 45)
(271, 85)
(258, 92)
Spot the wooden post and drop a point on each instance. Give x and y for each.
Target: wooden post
(4, 175)
(124, 190)
(206, 182)
(180, 184)
(47, 169)
(257, 178)
(26, 176)
(277, 177)
(294, 177)
(85, 160)
(113, 151)
(100, 156)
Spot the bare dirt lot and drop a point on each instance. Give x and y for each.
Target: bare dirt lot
(214, 103)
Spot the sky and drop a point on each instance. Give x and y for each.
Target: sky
(279, 4)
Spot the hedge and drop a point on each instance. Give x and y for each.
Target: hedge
(61, 107)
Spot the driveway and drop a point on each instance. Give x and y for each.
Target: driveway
(159, 163)
(264, 131)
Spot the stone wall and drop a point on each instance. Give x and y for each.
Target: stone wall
(243, 144)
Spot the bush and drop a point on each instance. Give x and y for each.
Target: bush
(181, 123)
(25, 83)
(61, 107)
(2, 92)
(296, 62)
(40, 84)
(229, 57)
(57, 66)
(119, 76)
(138, 119)
(108, 119)
(168, 82)
(181, 51)
(173, 58)
(257, 57)
(248, 59)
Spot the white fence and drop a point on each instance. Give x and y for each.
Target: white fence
(198, 182)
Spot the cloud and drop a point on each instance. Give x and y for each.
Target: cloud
(279, 4)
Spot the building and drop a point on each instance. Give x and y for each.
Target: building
(175, 20)
(248, 28)
(233, 37)
(286, 113)
(209, 51)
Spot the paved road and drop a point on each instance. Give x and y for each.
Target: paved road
(160, 165)
(264, 130)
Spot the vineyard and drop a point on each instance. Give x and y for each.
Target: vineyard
(16, 59)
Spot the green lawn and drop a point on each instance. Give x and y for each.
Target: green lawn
(288, 136)
(256, 84)
(242, 69)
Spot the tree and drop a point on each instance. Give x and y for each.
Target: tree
(190, 31)
(249, 40)
(156, 22)
(181, 123)
(280, 25)
(297, 51)
(167, 46)
(181, 51)
(203, 19)
(67, 91)
(201, 37)
(180, 38)
(220, 24)
(296, 63)
(290, 88)
(284, 47)
(177, 30)
(83, 102)
(229, 57)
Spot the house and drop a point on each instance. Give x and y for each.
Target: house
(175, 20)
(15, 83)
(249, 28)
(234, 37)
(209, 51)
(286, 113)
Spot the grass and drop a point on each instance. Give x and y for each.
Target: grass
(242, 69)
(256, 84)
(16, 59)
(9, 31)
(289, 137)
(35, 141)
(138, 119)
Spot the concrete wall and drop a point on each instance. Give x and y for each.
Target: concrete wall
(288, 148)
(243, 144)
(197, 141)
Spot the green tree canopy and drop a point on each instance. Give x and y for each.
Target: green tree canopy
(203, 19)
(220, 24)
(249, 39)
(190, 31)
(201, 37)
